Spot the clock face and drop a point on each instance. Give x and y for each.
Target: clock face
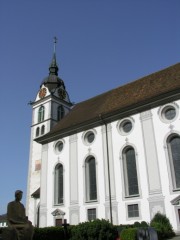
(42, 92)
(62, 93)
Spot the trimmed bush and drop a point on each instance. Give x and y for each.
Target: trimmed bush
(163, 226)
(94, 230)
(137, 224)
(128, 234)
(123, 226)
(144, 224)
(49, 233)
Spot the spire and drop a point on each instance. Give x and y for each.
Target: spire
(53, 69)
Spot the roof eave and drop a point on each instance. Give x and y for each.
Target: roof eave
(111, 116)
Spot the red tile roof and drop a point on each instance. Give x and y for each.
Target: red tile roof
(125, 98)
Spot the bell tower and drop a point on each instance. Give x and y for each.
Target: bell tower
(51, 104)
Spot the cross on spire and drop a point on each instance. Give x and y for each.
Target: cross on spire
(55, 41)
(53, 69)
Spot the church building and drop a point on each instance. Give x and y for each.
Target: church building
(115, 156)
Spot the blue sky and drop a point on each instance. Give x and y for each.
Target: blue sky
(102, 44)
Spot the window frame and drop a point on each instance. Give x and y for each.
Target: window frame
(60, 112)
(56, 149)
(171, 161)
(85, 137)
(58, 194)
(127, 211)
(41, 114)
(42, 130)
(163, 109)
(125, 173)
(37, 132)
(89, 185)
(121, 123)
(91, 209)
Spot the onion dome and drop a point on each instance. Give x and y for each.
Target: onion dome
(53, 81)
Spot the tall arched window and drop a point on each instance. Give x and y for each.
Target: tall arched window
(42, 129)
(58, 184)
(130, 172)
(41, 114)
(90, 178)
(60, 112)
(37, 131)
(173, 143)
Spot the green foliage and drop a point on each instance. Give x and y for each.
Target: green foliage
(128, 234)
(49, 233)
(94, 230)
(144, 224)
(123, 226)
(137, 224)
(163, 226)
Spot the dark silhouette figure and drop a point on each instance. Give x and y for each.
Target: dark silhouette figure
(19, 227)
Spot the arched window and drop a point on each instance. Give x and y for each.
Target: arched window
(58, 184)
(173, 143)
(130, 172)
(41, 114)
(60, 112)
(37, 131)
(90, 178)
(42, 129)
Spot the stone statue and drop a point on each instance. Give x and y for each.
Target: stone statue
(19, 227)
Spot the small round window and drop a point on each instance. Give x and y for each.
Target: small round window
(59, 147)
(125, 126)
(168, 113)
(89, 137)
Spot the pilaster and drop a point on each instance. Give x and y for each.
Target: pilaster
(44, 184)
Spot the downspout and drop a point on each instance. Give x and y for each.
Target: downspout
(108, 166)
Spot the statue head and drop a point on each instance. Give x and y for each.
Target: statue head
(18, 195)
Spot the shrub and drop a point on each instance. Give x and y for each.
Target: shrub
(163, 226)
(94, 230)
(128, 234)
(48, 233)
(123, 226)
(137, 224)
(144, 224)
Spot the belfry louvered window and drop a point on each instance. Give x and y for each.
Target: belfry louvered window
(37, 131)
(60, 112)
(41, 114)
(42, 129)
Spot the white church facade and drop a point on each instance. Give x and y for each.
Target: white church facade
(115, 156)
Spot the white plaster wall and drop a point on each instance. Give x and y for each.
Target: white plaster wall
(135, 139)
(162, 131)
(95, 150)
(33, 178)
(53, 160)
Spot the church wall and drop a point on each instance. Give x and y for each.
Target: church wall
(84, 151)
(34, 177)
(134, 139)
(148, 138)
(164, 129)
(35, 155)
